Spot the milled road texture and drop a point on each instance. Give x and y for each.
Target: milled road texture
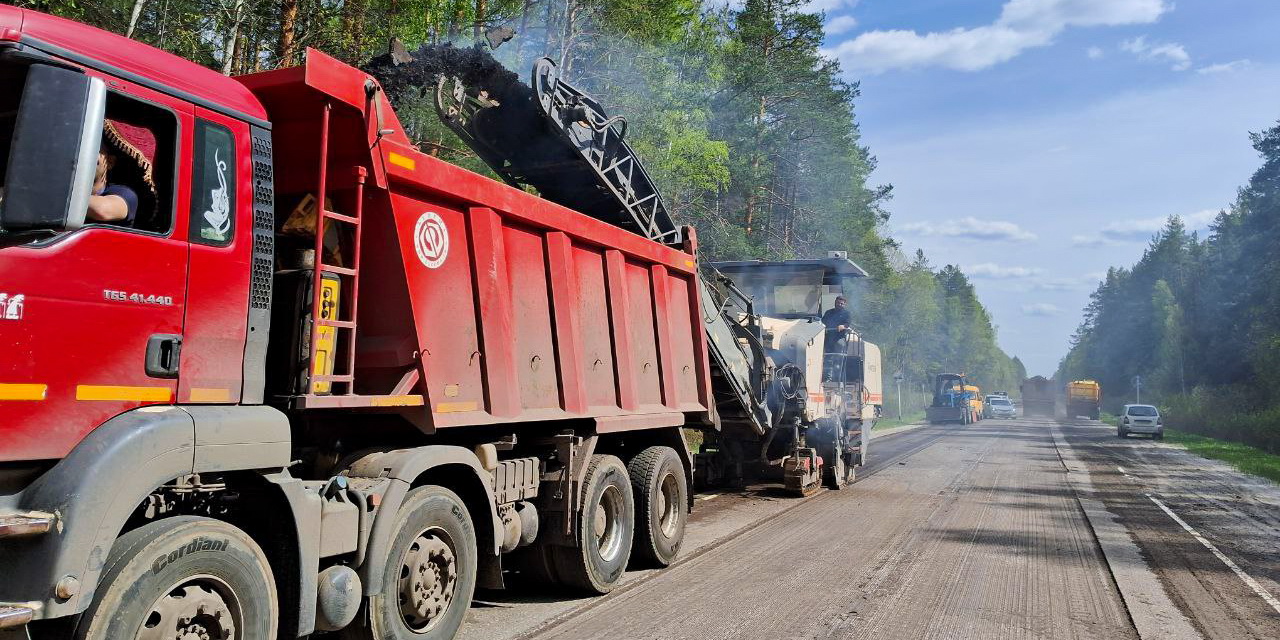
(1237, 513)
(953, 532)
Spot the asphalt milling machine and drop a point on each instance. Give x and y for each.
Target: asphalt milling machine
(792, 396)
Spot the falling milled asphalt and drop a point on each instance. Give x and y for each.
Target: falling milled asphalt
(952, 532)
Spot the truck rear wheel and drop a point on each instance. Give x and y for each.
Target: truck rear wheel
(606, 524)
(430, 573)
(183, 577)
(662, 499)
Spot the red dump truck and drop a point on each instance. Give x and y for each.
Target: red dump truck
(317, 380)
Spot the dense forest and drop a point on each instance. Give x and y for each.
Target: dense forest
(750, 132)
(1198, 319)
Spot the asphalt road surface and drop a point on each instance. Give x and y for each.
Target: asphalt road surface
(952, 532)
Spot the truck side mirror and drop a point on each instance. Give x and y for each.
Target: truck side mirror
(53, 157)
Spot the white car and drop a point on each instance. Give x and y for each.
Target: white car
(1000, 407)
(1140, 418)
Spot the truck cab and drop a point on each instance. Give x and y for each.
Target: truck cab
(105, 317)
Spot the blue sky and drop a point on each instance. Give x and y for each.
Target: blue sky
(1037, 142)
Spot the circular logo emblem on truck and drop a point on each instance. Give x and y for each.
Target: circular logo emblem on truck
(431, 240)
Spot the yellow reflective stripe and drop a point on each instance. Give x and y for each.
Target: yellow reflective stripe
(401, 161)
(456, 407)
(125, 394)
(23, 391)
(398, 401)
(210, 395)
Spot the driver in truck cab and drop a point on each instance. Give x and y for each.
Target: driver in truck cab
(124, 160)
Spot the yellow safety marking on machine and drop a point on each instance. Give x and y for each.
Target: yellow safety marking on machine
(402, 161)
(326, 337)
(456, 407)
(399, 401)
(210, 395)
(23, 391)
(689, 263)
(123, 394)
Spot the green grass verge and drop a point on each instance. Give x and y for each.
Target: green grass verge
(1243, 457)
(888, 423)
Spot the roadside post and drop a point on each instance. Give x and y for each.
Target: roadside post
(897, 381)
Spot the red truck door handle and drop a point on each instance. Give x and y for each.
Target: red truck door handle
(163, 352)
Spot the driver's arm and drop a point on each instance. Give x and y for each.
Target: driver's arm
(107, 208)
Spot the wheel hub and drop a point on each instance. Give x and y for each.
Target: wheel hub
(194, 610)
(668, 505)
(608, 523)
(428, 579)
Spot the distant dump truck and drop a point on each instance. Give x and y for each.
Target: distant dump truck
(952, 400)
(1084, 398)
(1037, 396)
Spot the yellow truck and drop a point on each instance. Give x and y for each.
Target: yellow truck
(1084, 398)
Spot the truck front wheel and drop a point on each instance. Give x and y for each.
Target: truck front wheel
(430, 573)
(662, 504)
(183, 577)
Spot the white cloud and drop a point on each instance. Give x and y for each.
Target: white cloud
(840, 24)
(1225, 67)
(1023, 24)
(1173, 53)
(996, 272)
(1091, 241)
(1141, 229)
(1068, 283)
(970, 227)
(1094, 53)
(827, 6)
(1041, 309)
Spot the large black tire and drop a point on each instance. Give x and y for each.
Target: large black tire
(430, 574)
(606, 526)
(661, 495)
(179, 576)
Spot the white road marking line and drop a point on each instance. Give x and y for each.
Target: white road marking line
(1126, 473)
(1122, 470)
(1248, 580)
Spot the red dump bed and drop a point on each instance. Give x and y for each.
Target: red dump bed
(479, 303)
